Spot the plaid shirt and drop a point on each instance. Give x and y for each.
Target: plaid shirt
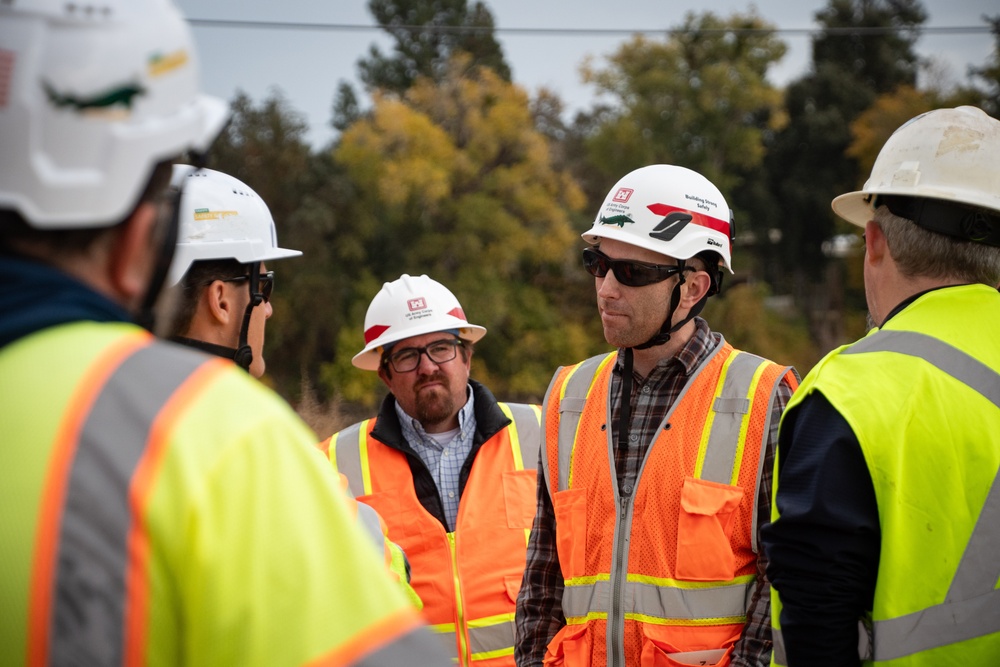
(539, 605)
(444, 461)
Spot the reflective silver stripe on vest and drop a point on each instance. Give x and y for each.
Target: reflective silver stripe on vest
(417, 647)
(729, 408)
(528, 429)
(570, 409)
(88, 624)
(348, 444)
(666, 602)
(972, 605)
(491, 638)
(369, 520)
(949, 360)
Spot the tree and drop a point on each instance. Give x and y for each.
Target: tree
(988, 76)
(265, 147)
(427, 34)
(452, 181)
(807, 161)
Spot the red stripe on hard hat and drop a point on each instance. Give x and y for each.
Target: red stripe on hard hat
(371, 333)
(457, 312)
(701, 219)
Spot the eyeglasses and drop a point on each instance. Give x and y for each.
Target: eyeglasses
(265, 284)
(407, 359)
(627, 272)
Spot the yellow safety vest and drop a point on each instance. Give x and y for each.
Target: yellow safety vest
(160, 507)
(922, 395)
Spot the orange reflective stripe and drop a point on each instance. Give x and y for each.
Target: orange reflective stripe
(50, 515)
(137, 588)
(371, 638)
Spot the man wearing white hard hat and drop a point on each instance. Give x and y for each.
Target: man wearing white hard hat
(158, 506)
(656, 458)
(887, 502)
(226, 238)
(448, 467)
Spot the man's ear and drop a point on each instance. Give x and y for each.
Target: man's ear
(876, 248)
(132, 254)
(218, 302)
(696, 285)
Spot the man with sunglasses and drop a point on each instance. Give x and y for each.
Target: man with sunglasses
(656, 459)
(449, 468)
(158, 506)
(226, 237)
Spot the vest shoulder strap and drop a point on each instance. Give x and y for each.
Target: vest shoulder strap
(524, 432)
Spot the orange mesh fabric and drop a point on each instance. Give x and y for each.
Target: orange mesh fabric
(722, 511)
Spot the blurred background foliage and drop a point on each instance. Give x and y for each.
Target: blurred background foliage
(454, 171)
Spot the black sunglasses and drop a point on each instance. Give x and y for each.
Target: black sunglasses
(265, 284)
(627, 272)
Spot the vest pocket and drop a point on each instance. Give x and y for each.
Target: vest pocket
(570, 507)
(519, 497)
(704, 526)
(570, 646)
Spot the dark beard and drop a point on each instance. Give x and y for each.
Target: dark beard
(435, 408)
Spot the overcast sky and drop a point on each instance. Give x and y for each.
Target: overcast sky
(306, 65)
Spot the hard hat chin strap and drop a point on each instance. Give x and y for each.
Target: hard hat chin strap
(666, 330)
(244, 354)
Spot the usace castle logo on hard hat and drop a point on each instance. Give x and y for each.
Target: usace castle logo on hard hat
(622, 195)
(417, 304)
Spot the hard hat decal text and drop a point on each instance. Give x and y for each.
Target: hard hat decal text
(160, 64)
(205, 214)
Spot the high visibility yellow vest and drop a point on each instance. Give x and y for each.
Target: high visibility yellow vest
(660, 573)
(922, 395)
(160, 507)
(468, 579)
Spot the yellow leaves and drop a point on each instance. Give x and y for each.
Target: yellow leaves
(399, 155)
(873, 127)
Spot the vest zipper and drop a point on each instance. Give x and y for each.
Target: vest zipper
(615, 625)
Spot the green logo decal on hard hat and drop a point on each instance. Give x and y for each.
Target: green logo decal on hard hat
(122, 95)
(619, 220)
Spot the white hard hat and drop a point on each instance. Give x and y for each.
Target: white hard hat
(945, 154)
(411, 306)
(221, 217)
(92, 97)
(667, 209)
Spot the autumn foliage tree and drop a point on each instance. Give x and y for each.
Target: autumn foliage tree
(452, 181)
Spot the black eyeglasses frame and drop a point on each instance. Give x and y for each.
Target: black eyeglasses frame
(393, 358)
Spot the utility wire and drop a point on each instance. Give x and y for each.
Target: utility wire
(581, 32)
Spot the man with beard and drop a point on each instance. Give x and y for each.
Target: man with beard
(444, 465)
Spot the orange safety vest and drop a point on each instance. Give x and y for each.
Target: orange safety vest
(667, 568)
(468, 579)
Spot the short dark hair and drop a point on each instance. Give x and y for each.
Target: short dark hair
(199, 275)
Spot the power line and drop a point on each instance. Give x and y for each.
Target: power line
(581, 32)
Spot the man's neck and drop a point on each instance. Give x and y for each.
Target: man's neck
(644, 361)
